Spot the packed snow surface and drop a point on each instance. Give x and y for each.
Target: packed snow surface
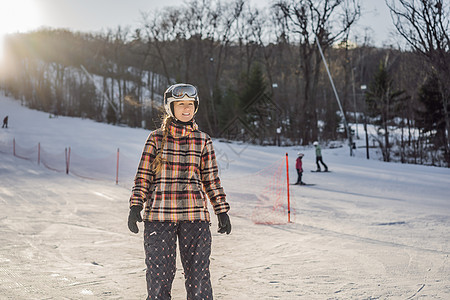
(366, 230)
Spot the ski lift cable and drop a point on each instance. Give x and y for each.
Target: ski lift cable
(101, 91)
(336, 94)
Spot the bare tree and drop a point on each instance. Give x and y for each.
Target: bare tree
(325, 22)
(425, 26)
(208, 27)
(249, 34)
(160, 29)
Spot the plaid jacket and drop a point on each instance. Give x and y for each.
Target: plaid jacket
(189, 173)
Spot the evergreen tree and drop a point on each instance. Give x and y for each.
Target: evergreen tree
(431, 116)
(255, 86)
(381, 100)
(111, 113)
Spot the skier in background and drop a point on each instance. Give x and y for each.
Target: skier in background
(299, 167)
(5, 122)
(319, 157)
(177, 171)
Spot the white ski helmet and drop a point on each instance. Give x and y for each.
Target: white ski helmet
(315, 143)
(299, 154)
(180, 92)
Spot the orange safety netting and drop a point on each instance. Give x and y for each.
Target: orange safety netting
(272, 204)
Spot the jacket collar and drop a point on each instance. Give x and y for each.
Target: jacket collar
(178, 130)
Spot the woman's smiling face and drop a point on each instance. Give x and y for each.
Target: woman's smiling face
(184, 110)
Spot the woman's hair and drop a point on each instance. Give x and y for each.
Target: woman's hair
(159, 160)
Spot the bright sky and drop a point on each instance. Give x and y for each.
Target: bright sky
(97, 15)
(18, 15)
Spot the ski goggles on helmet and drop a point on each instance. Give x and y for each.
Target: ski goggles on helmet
(179, 91)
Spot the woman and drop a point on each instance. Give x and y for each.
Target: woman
(177, 170)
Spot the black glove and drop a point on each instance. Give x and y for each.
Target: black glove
(133, 217)
(224, 223)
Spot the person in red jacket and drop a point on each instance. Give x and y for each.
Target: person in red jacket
(299, 167)
(176, 175)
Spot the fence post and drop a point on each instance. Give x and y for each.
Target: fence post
(117, 167)
(39, 153)
(287, 181)
(14, 146)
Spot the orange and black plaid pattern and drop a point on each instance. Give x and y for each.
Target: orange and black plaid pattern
(189, 175)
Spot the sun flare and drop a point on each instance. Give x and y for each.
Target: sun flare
(17, 16)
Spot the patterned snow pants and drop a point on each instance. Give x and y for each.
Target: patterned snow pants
(160, 243)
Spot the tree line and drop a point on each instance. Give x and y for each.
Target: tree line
(259, 72)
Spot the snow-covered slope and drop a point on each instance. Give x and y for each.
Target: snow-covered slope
(366, 230)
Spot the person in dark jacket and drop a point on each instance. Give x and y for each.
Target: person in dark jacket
(176, 175)
(5, 122)
(319, 157)
(299, 168)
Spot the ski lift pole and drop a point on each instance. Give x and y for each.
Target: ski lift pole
(117, 167)
(67, 160)
(287, 181)
(337, 96)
